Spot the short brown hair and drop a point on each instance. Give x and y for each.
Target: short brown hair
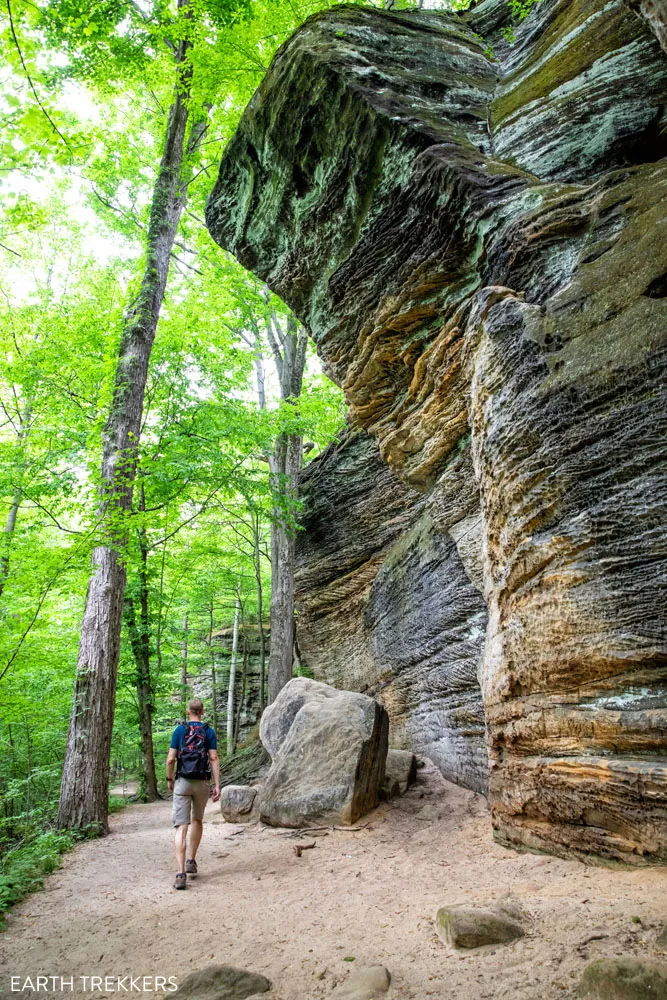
(196, 706)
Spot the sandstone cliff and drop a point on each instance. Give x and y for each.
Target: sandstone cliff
(478, 246)
(386, 605)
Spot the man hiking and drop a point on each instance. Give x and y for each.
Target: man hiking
(194, 751)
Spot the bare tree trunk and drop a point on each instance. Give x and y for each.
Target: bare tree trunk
(289, 350)
(232, 674)
(144, 679)
(244, 681)
(84, 788)
(214, 681)
(257, 559)
(139, 641)
(7, 535)
(12, 513)
(285, 483)
(184, 665)
(257, 555)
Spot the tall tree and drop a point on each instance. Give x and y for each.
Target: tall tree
(232, 673)
(21, 431)
(289, 342)
(137, 615)
(84, 796)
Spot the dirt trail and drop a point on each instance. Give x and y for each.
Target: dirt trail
(371, 896)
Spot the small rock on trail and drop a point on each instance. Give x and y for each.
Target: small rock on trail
(222, 982)
(624, 979)
(239, 804)
(474, 927)
(400, 773)
(364, 984)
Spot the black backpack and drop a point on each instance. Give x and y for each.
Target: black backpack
(192, 756)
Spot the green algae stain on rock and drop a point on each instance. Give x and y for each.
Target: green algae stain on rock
(469, 927)
(624, 979)
(478, 250)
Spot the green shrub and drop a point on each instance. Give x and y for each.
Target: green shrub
(22, 869)
(116, 803)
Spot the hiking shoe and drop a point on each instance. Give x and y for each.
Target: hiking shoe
(181, 881)
(191, 867)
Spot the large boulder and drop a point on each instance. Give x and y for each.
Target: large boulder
(329, 750)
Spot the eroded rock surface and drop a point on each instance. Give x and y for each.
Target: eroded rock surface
(328, 750)
(478, 248)
(388, 607)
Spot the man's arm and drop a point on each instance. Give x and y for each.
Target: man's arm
(215, 769)
(171, 760)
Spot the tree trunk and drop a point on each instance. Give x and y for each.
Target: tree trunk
(244, 681)
(285, 465)
(184, 666)
(232, 674)
(257, 555)
(286, 482)
(257, 559)
(12, 514)
(84, 788)
(140, 641)
(7, 535)
(214, 682)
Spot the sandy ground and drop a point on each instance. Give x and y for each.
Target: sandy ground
(370, 896)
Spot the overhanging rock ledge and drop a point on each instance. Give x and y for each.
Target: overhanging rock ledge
(478, 247)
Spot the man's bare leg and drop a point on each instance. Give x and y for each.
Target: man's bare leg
(180, 840)
(196, 830)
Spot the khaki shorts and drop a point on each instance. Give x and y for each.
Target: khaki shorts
(189, 794)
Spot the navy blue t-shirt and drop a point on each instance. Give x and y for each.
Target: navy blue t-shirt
(210, 739)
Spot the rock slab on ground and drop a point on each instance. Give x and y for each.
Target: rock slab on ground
(468, 927)
(400, 773)
(624, 979)
(222, 982)
(366, 983)
(239, 804)
(329, 750)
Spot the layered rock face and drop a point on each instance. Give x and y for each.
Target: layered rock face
(478, 247)
(386, 605)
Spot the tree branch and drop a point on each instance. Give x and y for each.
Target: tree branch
(273, 343)
(9, 250)
(32, 87)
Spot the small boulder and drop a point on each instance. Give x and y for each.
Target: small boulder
(624, 979)
(222, 982)
(364, 984)
(431, 812)
(329, 749)
(474, 927)
(661, 939)
(400, 773)
(239, 804)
